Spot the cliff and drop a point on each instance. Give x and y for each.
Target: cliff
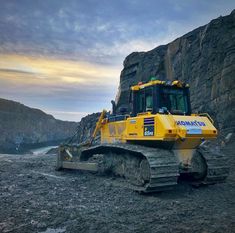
(85, 129)
(204, 58)
(22, 127)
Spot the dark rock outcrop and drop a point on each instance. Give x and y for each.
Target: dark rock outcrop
(22, 128)
(204, 58)
(86, 128)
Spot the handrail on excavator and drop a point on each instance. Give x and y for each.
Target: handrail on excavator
(207, 115)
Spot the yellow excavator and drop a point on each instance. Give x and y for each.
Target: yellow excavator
(153, 144)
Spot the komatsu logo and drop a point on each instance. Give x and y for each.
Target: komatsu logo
(191, 123)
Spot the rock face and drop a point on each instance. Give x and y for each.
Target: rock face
(22, 127)
(204, 58)
(86, 128)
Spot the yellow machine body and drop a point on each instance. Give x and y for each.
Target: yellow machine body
(186, 131)
(181, 133)
(167, 138)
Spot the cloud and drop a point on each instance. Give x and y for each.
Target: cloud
(12, 70)
(102, 33)
(62, 85)
(52, 70)
(66, 56)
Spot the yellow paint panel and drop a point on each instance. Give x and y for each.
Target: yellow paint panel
(187, 131)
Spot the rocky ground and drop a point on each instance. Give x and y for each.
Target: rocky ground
(36, 198)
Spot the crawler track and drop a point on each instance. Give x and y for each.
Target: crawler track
(146, 169)
(155, 169)
(217, 166)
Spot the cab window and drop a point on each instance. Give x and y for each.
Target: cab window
(174, 100)
(145, 100)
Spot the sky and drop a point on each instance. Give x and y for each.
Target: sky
(65, 57)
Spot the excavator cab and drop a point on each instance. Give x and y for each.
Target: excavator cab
(164, 99)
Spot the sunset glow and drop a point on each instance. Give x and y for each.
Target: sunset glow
(26, 78)
(66, 57)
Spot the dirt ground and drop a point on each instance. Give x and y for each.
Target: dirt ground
(36, 198)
